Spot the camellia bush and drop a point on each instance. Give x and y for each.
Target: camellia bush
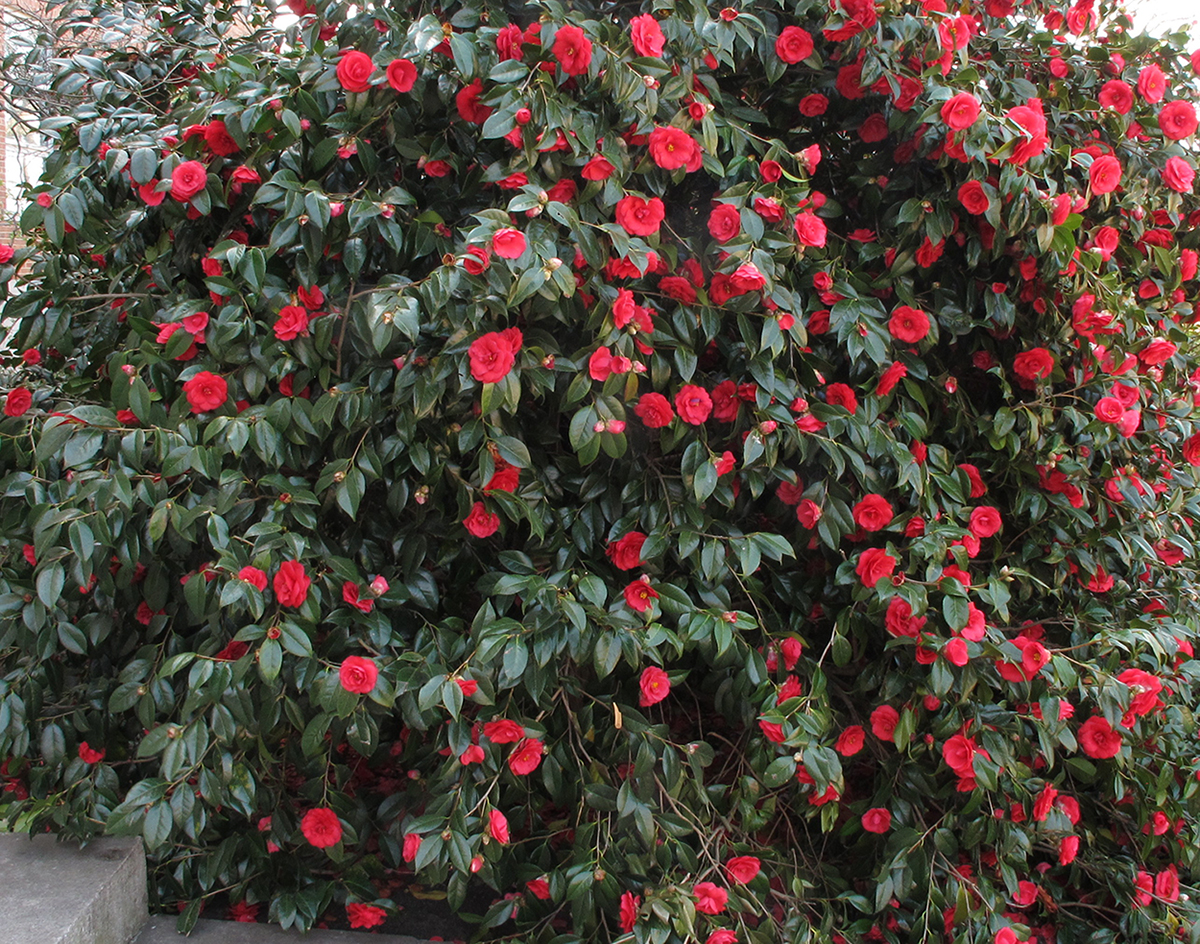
(654, 473)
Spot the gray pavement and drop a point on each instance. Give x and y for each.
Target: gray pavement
(56, 893)
(161, 930)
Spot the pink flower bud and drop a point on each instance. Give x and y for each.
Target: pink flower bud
(616, 426)
(379, 586)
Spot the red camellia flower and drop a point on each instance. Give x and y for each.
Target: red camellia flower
(291, 323)
(525, 757)
(961, 111)
(1177, 120)
(973, 198)
(640, 596)
(498, 827)
(503, 731)
(672, 148)
(877, 820)
(884, 720)
(810, 229)
(481, 523)
(187, 180)
(89, 755)
(492, 355)
(1179, 175)
(1098, 739)
(470, 108)
(291, 584)
(508, 243)
(365, 916)
(655, 410)
(1104, 176)
(354, 71)
(873, 513)
(401, 75)
(630, 904)
(813, 105)
(205, 392)
(254, 577)
(1116, 95)
(873, 565)
(693, 404)
(654, 685)
(1034, 364)
(908, 324)
(412, 845)
(358, 674)
(724, 222)
(793, 45)
(710, 899)
(850, 741)
(640, 217)
(321, 827)
(1152, 84)
(19, 400)
(985, 521)
(742, 870)
(626, 552)
(573, 50)
(647, 36)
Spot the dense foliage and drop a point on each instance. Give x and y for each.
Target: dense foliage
(693, 474)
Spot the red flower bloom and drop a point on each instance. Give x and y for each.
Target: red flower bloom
(573, 50)
(647, 36)
(973, 198)
(470, 108)
(909, 325)
(508, 243)
(354, 71)
(254, 577)
(481, 523)
(291, 584)
(291, 323)
(503, 731)
(961, 111)
(89, 755)
(985, 521)
(693, 404)
(401, 75)
(877, 820)
(205, 392)
(850, 741)
(630, 904)
(793, 45)
(1104, 176)
(884, 720)
(321, 827)
(1177, 120)
(626, 552)
(640, 217)
(1179, 175)
(18, 402)
(525, 757)
(187, 180)
(873, 565)
(873, 513)
(1098, 739)
(810, 229)
(640, 596)
(1116, 95)
(672, 148)
(709, 898)
(365, 916)
(654, 685)
(493, 354)
(655, 411)
(724, 222)
(358, 675)
(742, 870)
(1034, 364)
(498, 827)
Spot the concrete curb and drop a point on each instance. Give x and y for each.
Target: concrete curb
(57, 893)
(161, 930)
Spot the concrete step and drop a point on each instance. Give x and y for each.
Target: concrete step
(53, 892)
(161, 930)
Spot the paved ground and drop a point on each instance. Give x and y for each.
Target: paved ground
(57, 893)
